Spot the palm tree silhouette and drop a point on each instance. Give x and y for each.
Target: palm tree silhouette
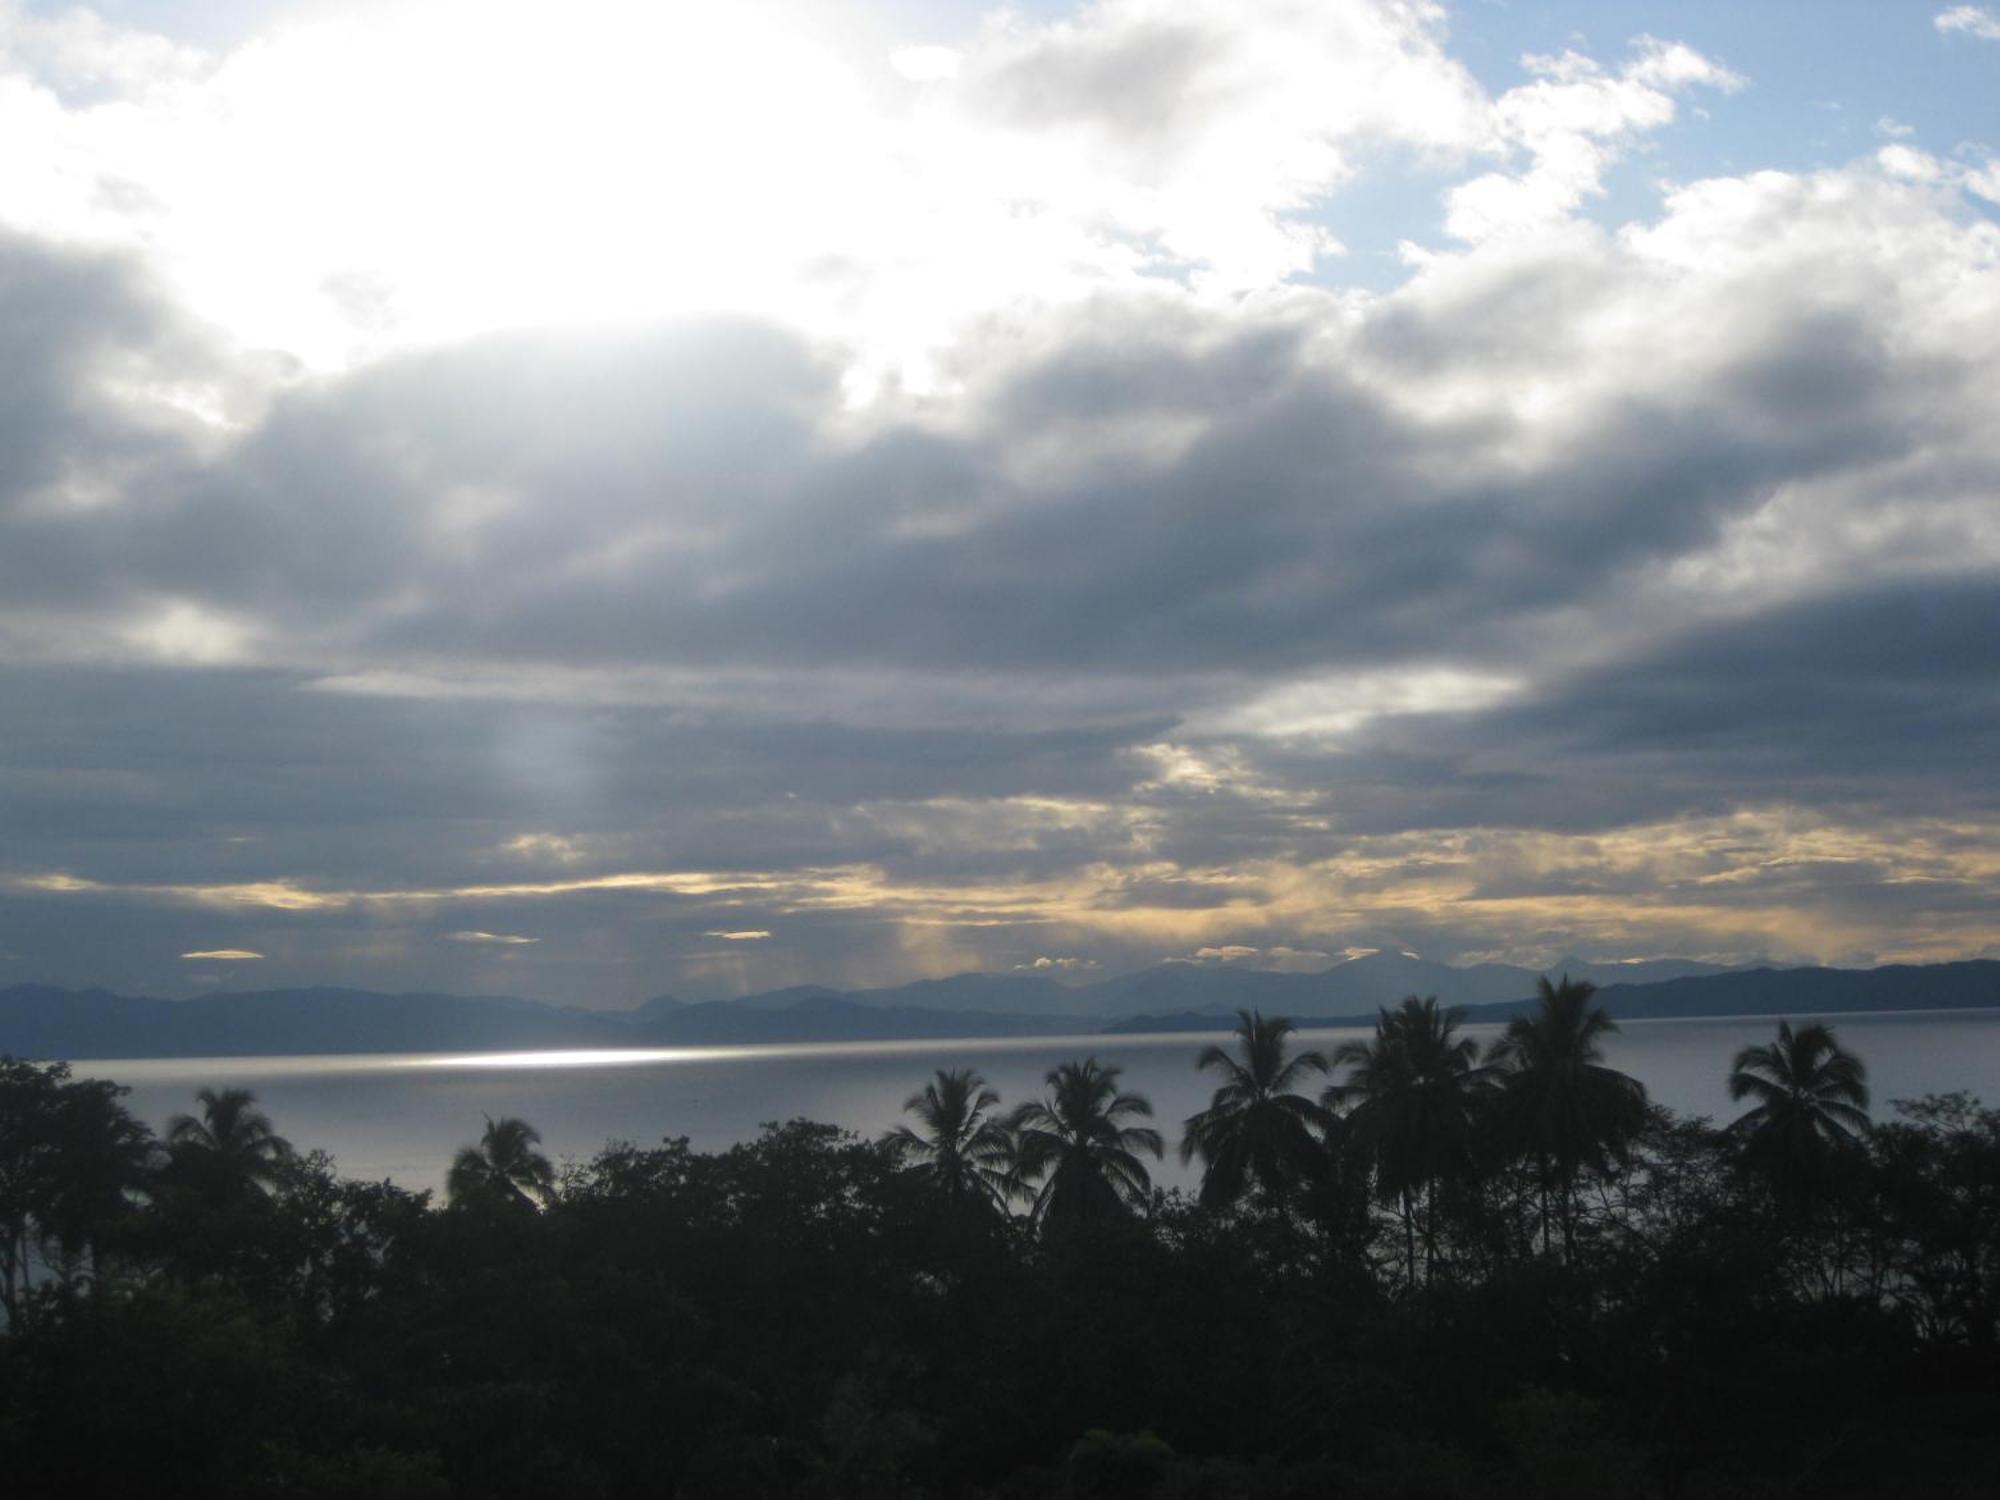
(504, 1169)
(1256, 1127)
(964, 1150)
(1412, 1097)
(1074, 1144)
(1559, 1105)
(100, 1160)
(1811, 1105)
(232, 1143)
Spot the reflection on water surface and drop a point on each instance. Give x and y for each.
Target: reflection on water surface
(402, 1116)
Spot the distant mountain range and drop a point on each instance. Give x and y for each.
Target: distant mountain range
(40, 1021)
(1355, 985)
(1973, 984)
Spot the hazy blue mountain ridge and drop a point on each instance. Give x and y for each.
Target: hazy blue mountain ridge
(41, 1021)
(1358, 984)
(1966, 985)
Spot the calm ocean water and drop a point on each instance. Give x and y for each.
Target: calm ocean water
(401, 1117)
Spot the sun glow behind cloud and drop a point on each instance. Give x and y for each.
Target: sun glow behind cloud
(396, 175)
(356, 181)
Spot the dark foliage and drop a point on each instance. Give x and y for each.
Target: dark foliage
(813, 1314)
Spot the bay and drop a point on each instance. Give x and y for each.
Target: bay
(401, 1117)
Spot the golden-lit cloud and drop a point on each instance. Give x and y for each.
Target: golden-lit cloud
(1772, 881)
(554, 846)
(227, 955)
(283, 895)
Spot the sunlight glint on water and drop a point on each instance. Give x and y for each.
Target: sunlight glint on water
(402, 1116)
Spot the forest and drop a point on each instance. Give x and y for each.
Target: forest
(1412, 1267)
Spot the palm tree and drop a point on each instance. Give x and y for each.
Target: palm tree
(100, 1161)
(232, 1144)
(1412, 1099)
(1256, 1127)
(70, 1159)
(965, 1151)
(1559, 1104)
(1811, 1106)
(503, 1169)
(1075, 1144)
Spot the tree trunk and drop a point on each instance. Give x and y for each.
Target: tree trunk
(1568, 1200)
(9, 1260)
(1409, 1241)
(1542, 1194)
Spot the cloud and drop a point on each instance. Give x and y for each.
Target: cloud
(1038, 160)
(1878, 699)
(1066, 964)
(1062, 568)
(507, 939)
(1968, 20)
(1908, 162)
(745, 935)
(1573, 121)
(1280, 957)
(233, 955)
(1205, 128)
(280, 895)
(1228, 953)
(1043, 572)
(926, 64)
(560, 848)
(1297, 960)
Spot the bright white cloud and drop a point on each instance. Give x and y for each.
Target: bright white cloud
(79, 54)
(1226, 953)
(503, 171)
(1573, 121)
(189, 632)
(1205, 128)
(1064, 964)
(646, 160)
(926, 64)
(1969, 20)
(1908, 162)
(1338, 705)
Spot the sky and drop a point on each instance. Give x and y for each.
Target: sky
(615, 499)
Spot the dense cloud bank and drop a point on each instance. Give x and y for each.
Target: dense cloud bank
(1629, 588)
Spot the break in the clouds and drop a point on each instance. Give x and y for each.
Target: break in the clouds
(663, 501)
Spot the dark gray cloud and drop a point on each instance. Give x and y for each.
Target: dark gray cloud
(239, 776)
(1883, 702)
(67, 317)
(1139, 86)
(676, 498)
(467, 636)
